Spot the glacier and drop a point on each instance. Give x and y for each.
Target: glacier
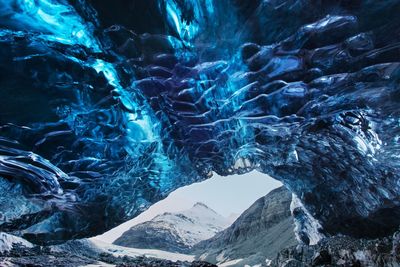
(108, 107)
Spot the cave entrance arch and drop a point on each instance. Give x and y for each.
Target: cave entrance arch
(228, 195)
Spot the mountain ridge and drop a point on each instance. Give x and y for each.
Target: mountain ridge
(175, 231)
(258, 234)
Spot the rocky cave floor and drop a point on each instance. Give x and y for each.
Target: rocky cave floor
(343, 251)
(335, 251)
(44, 256)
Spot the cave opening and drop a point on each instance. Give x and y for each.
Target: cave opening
(228, 196)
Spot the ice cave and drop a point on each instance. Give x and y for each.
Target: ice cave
(108, 106)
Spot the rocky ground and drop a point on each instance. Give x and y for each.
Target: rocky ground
(45, 256)
(37, 256)
(343, 251)
(336, 251)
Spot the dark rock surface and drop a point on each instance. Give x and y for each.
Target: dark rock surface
(343, 252)
(41, 257)
(46, 257)
(259, 233)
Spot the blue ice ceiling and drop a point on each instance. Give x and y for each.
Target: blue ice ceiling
(106, 107)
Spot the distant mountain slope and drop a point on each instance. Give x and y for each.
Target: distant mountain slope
(175, 232)
(259, 233)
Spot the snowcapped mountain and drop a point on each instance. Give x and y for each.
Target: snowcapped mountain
(259, 233)
(175, 232)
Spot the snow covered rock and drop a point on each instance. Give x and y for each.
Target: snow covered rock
(175, 232)
(7, 241)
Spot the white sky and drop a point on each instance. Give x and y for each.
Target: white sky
(226, 195)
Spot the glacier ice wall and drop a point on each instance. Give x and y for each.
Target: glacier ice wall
(106, 107)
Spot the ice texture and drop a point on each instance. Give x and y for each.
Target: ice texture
(108, 106)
